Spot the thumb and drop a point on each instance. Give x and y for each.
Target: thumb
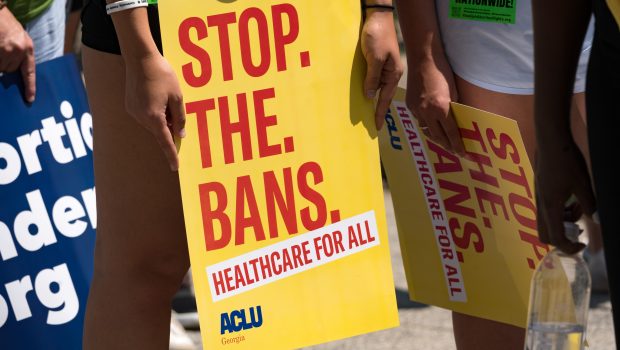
(28, 72)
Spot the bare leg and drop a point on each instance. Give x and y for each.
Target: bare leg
(473, 333)
(71, 28)
(141, 250)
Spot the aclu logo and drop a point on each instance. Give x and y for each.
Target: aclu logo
(393, 130)
(239, 320)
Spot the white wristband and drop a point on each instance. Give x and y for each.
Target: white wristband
(124, 5)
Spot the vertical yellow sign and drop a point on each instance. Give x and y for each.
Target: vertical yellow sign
(279, 172)
(614, 7)
(467, 226)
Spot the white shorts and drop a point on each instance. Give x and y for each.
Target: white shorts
(495, 56)
(47, 32)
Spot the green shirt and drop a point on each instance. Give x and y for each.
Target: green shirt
(26, 10)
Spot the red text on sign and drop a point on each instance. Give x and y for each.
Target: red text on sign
(193, 32)
(218, 225)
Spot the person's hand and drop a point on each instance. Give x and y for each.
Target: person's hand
(430, 89)
(17, 52)
(153, 97)
(384, 66)
(560, 172)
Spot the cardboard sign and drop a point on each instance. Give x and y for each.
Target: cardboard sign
(47, 209)
(279, 172)
(467, 226)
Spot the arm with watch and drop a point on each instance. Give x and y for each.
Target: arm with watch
(16, 50)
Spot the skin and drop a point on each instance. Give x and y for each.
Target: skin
(559, 32)
(431, 86)
(141, 255)
(579, 131)
(474, 332)
(382, 54)
(17, 52)
(430, 81)
(73, 23)
(153, 96)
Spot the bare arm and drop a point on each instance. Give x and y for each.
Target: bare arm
(153, 96)
(559, 29)
(380, 48)
(430, 81)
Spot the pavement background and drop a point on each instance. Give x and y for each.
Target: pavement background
(425, 327)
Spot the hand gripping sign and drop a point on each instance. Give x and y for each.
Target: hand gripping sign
(47, 209)
(467, 226)
(279, 172)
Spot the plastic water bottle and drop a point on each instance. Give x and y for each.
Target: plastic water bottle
(559, 300)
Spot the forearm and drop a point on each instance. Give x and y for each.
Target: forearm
(134, 34)
(559, 29)
(418, 21)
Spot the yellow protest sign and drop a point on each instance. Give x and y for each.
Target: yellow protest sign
(467, 227)
(614, 7)
(279, 172)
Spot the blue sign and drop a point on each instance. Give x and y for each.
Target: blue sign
(47, 209)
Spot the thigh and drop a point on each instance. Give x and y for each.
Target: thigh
(517, 107)
(473, 332)
(521, 109)
(140, 217)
